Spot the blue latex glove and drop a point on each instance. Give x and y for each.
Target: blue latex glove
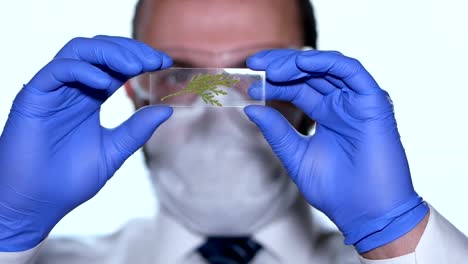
(354, 168)
(54, 153)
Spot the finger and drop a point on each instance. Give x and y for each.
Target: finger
(280, 66)
(60, 71)
(262, 59)
(283, 69)
(107, 55)
(285, 141)
(135, 132)
(346, 69)
(148, 55)
(301, 95)
(321, 85)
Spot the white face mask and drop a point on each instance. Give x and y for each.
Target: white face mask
(214, 172)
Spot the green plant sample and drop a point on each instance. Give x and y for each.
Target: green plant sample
(206, 86)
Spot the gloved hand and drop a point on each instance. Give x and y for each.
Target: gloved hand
(354, 168)
(54, 153)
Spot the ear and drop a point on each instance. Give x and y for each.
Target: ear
(129, 90)
(137, 103)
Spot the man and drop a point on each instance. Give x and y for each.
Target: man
(353, 168)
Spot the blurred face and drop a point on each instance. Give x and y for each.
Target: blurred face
(215, 162)
(217, 26)
(220, 33)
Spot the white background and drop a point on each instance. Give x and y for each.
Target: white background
(417, 51)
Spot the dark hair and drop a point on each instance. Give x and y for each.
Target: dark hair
(310, 39)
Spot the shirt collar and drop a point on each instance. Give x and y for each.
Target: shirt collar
(289, 237)
(173, 242)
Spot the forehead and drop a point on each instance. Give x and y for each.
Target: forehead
(217, 25)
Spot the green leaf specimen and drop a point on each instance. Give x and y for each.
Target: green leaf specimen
(206, 86)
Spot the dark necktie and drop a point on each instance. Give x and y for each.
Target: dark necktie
(229, 250)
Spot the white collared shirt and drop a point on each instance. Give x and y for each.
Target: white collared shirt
(294, 238)
(291, 239)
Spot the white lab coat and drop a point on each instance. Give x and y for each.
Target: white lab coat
(293, 239)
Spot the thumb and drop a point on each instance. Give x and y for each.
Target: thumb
(131, 135)
(285, 141)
